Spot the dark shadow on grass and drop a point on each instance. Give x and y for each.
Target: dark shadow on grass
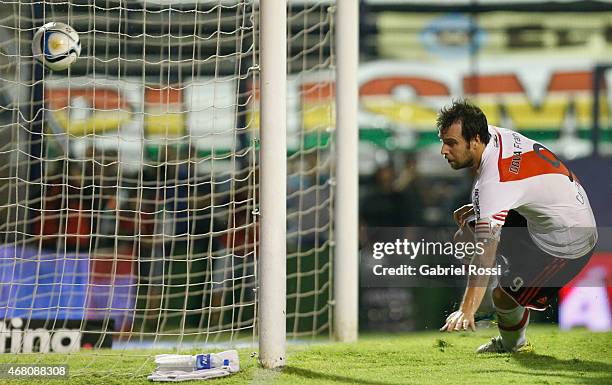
(331, 377)
(578, 378)
(549, 363)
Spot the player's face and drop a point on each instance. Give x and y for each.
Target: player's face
(455, 149)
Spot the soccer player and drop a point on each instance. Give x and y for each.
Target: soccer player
(527, 202)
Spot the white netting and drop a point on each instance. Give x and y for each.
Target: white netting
(128, 184)
(310, 172)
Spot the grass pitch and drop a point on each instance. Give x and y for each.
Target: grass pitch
(575, 357)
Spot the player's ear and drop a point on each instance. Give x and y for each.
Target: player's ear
(470, 143)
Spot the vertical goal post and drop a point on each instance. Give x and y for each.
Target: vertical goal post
(346, 274)
(273, 266)
(599, 85)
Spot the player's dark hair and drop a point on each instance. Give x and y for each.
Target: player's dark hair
(473, 120)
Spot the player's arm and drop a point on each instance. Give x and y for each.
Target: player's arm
(487, 233)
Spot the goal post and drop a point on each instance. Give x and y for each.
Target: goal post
(599, 84)
(346, 274)
(273, 177)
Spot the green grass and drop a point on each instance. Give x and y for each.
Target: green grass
(576, 357)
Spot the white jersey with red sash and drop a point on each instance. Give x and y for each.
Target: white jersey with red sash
(517, 173)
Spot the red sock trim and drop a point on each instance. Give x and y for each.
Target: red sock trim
(518, 326)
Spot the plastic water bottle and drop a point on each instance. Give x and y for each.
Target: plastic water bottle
(180, 362)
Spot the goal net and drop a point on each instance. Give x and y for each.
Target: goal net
(129, 183)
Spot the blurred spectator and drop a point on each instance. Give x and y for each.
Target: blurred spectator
(308, 201)
(389, 203)
(444, 195)
(78, 223)
(173, 177)
(106, 196)
(47, 223)
(410, 185)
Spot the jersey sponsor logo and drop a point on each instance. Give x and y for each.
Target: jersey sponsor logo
(515, 164)
(476, 202)
(517, 140)
(539, 161)
(579, 196)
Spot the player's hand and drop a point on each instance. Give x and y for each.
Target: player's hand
(458, 321)
(462, 214)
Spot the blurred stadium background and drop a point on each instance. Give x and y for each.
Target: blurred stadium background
(534, 66)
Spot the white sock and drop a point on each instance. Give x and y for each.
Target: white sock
(512, 326)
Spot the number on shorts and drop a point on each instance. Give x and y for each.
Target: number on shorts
(517, 283)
